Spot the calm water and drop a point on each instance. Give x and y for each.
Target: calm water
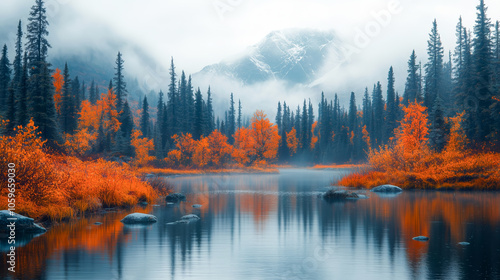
(276, 227)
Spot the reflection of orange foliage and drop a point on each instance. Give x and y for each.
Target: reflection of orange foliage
(59, 187)
(266, 137)
(291, 141)
(143, 146)
(58, 85)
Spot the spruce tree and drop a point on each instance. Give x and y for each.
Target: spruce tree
(231, 120)
(76, 93)
(210, 113)
(172, 103)
(278, 119)
(378, 114)
(22, 95)
(482, 59)
(93, 93)
(83, 91)
(434, 67)
(391, 112)
(11, 112)
(120, 86)
(5, 73)
(198, 116)
(68, 112)
(239, 114)
(438, 131)
(145, 117)
(412, 87)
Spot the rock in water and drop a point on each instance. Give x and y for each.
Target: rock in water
(139, 218)
(97, 223)
(387, 189)
(175, 197)
(190, 217)
(196, 205)
(421, 238)
(464, 243)
(22, 224)
(339, 195)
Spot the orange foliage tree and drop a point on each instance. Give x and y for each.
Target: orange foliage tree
(201, 156)
(314, 138)
(143, 147)
(220, 150)
(58, 85)
(244, 146)
(186, 146)
(291, 141)
(266, 137)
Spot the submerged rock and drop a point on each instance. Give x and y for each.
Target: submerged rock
(197, 205)
(21, 224)
(387, 189)
(340, 195)
(97, 223)
(143, 203)
(178, 222)
(175, 197)
(464, 243)
(421, 238)
(139, 218)
(190, 218)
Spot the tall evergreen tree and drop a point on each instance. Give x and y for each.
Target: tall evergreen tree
(172, 106)
(93, 93)
(120, 86)
(76, 94)
(40, 87)
(18, 61)
(434, 67)
(378, 114)
(68, 108)
(239, 113)
(22, 95)
(231, 120)
(210, 113)
(482, 59)
(5, 73)
(412, 87)
(198, 115)
(438, 131)
(391, 111)
(145, 117)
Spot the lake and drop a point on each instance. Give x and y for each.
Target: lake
(277, 226)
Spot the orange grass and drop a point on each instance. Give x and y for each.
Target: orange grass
(61, 187)
(173, 171)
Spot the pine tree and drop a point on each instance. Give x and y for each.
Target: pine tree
(378, 114)
(83, 91)
(482, 59)
(279, 119)
(68, 112)
(434, 67)
(5, 73)
(412, 88)
(305, 140)
(93, 93)
(198, 116)
(367, 110)
(190, 98)
(231, 120)
(391, 112)
(11, 112)
(120, 86)
(18, 60)
(210, 114)
(127, 125)
(438, 131)
(145, 117)
(239, 114)
(172, 106)
(75, 92)
(22, 95)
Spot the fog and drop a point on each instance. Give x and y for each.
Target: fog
(377, 34)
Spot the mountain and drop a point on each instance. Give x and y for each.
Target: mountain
(294, 55)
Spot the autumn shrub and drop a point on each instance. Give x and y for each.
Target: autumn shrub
(59, 187)
(410, 163)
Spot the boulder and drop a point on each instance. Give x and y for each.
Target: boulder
(139, 218)
(421, 238)
(387, 189)
(97, 223)
(197, 205)
(340, 195)
(464, 243)
(23, 225)
(190, 217)
(175, 197)
(178, 222)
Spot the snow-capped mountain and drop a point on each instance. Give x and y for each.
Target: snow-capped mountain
(295, 56)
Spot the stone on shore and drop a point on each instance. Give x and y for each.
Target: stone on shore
(139, 218)
(22, 224)
(387, 189)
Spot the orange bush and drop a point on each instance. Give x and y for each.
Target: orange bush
(59, 187)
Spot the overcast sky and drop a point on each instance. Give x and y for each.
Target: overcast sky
(202, 32)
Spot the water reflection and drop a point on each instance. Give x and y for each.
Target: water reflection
(277, 227)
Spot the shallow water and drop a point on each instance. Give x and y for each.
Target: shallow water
(275, 226)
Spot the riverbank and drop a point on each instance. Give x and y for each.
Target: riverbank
(207, 171)
(439, 171)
